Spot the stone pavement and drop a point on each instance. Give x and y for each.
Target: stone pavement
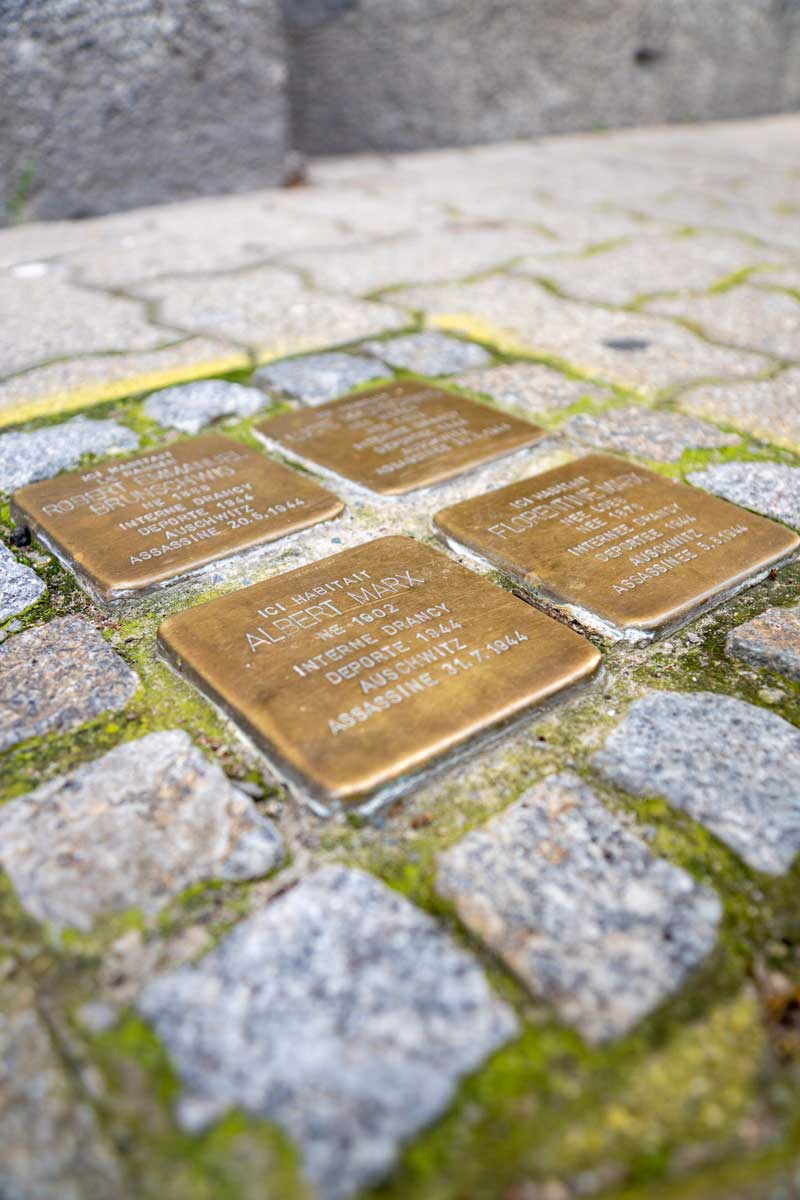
(568, 965)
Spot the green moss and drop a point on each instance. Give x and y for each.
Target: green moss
(236, 1158)
(666, 1111)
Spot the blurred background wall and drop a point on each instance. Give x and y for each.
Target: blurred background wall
(105, 104)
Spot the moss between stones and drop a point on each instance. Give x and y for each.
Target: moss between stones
(691, 1103)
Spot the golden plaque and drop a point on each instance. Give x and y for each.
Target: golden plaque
(128, 526)
(357, 671)
(620, 546)
(398, 438)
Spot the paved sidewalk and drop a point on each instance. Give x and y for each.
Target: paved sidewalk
(568, 966)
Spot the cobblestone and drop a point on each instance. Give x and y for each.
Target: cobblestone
(269, 311)
(57, 676)
(42, 453)
(319, 377)
(769, 410)
(579, 908)
(50, 1146)
(339, 1011)
(429, 353)
(771, 640)
(329, 1003)
(642, 266)
(20, 587)
(753, 318)
(530, 388)
(660, 436)
(772, 489)
(190, 406)
(731, 766)
(44, 318)
(634, 350)
(76, 382)
(131, 830)
(449, 253)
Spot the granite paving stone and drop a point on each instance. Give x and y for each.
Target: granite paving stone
(268, 310)
(58, 676)
(770, 640)
(50, 1144)
(175, 240)
(45, 318)
(76, 382)
(190, 406)
(574, 902)
(42, 453)
(130, 830)
(768, 409)
(20, 586)
(621, 274)
(751, 317)
(635, 350)
(429, 353)
(530, 388)
(661, 436)
(319, 377)
(339, 1011)
(731, 766)
(452, 252)
(769, 488)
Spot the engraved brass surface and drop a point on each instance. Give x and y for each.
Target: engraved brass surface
(359, 669)
(401, 437)
(613, 539)
(130, 525)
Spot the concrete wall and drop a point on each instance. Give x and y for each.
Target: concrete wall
(400, 74)
(106, 104)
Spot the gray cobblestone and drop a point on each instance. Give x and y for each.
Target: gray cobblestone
(429, 353)
(769, 409)
(131, 830)
(646, 264)
(635, 350)
(772, 489)
(530, 388)
(339, 1011)
(731, 766)
(57, 676)
(26, 457)
(20, 587)
(661, 436)
(50, 1146)
(269, 311)
(770, 640)
(579, 908)
(190, 406)
(319, 377)
(44, 318)
(750, 317)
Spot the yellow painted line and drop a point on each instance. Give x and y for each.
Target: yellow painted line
(468, 325)
(117, 389)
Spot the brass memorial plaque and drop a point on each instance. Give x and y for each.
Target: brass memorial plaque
(360, 669)
(401, 437)
(617, 543)
(128, 526)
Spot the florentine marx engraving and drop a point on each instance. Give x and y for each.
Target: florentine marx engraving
(396, 438)
(631, 549)
(359, 670)
(129, 526)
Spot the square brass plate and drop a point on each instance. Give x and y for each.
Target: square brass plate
(616, 541)
(131, 525)
(360, 669)
(397, 438)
